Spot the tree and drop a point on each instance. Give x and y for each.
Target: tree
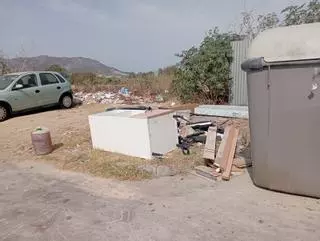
(59, 69)
(252, 24)
(4, 67)
(203, 73)
(300, 14)
(269, 20)
(56, 68)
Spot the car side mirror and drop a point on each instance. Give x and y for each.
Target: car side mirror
(17, 87)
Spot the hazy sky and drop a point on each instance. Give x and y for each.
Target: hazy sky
(132, 35)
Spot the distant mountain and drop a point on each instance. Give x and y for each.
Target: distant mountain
(72, 64)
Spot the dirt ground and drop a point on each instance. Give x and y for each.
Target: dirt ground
(40, 202)
(73, 149)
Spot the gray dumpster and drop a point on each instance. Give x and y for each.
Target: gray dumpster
(284, 108)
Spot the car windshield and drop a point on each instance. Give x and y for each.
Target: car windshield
(6, 80)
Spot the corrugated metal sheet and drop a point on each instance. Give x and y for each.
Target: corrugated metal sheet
(239, 94)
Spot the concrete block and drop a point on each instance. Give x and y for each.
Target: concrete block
(223, 111)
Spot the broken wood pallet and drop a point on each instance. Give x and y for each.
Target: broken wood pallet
(210, 147)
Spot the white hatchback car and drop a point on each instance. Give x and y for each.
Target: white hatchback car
(30, 90)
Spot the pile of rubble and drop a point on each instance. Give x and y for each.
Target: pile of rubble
(121, 97)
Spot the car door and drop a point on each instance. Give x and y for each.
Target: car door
(27, 96)
(50, 89)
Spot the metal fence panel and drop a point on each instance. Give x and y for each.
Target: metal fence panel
(239, 95)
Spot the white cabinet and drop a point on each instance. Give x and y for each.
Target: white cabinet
(134, 132)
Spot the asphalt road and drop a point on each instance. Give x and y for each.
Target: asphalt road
(38, 202)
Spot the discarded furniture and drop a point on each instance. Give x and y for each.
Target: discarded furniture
(134, 132)
(283, 72)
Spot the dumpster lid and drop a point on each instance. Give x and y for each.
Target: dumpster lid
(298, 42)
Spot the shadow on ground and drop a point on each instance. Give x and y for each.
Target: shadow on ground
(35, 111)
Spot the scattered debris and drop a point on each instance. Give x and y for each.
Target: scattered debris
(241, 162)
(188, 141)
(207, 172)
(124, 91)
(184, 116)
(186, 131)
(121, 97)
(202, 125)
(190, 133)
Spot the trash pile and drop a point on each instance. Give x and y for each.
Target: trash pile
(223, 155)
(222, 146)
(124, 96)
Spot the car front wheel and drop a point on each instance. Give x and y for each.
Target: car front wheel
(3, 113)
(66, 102)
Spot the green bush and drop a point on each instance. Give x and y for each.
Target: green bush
(203, 74)
(59, 69)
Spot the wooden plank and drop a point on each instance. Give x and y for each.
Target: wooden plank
(219, 157)
(227, 149)
(210, 147)
(207, 172)
(232, 143)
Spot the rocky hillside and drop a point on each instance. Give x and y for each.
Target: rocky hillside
(72, 64)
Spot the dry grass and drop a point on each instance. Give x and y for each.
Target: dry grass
(152, 85)
(183, 163)
(76, 154)
(138, 85)
(102, 164)
(109, 165)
